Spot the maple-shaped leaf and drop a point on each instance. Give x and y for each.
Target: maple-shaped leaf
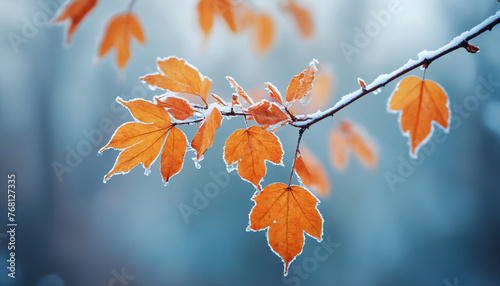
(287, 212)
(267, 113)
(75, 11)
(207, 9)
(311, 172)
(301, 84)
(118, 34)
(177, 75)
(264, 31)
(244, 15)
(204, 138)
(250, 148)
(421, 102)
(302, 17)
(178, 107)
(141, 142)
(351, 138)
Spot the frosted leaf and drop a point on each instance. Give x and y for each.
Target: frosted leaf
(232, 167)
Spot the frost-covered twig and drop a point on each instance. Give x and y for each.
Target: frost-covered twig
(424, 59)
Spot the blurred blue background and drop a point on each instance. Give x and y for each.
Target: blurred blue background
(439, 224)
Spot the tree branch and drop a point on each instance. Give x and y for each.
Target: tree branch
(424, 59)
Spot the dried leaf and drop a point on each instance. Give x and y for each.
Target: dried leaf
(268, 113)
(301, 84)
(347, 138)
(179, 108)
(303, 18)
(172, 156)
(421, 103)
(321, 93)
(204, 138)
(120, 30)
(250, 148)
(206, 13)
(264, 31)
(219, 100)
(75, 11)
(207, 9)
(177, 75)
(274, 93)
(288, 212)
(311, 172)
(141, 142)
(239, 90)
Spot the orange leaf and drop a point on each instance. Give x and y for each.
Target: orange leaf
(301, 84)
(141, 142)
(207, 10)
(362, 83)
(206, 15)
(244, 15)
(250, 148)
(144, 152)
(421, 103)
(288, 212)
(172, 156)
(179, 108)
(321, 92)
(302, 17)
(225, 8)
(177, 75)
(147, 112)
(347, 138)
(274, 93)
(75, 11)
(118, 33)
(204, 138)
(239, 89)
(311, 172)
(264, 32)
(268, 113)
(218, 99)
(130, 134)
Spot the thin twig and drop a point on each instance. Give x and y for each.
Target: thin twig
(461, 41)
(301, 132)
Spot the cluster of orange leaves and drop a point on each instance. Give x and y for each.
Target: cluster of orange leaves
(156, 133)
(238, 16)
